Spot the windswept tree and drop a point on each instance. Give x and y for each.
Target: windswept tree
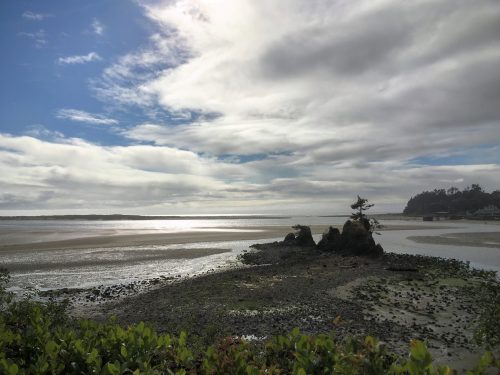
(360, 206)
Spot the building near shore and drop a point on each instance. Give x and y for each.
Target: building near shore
(490, 212)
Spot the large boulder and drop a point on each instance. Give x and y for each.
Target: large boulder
(294, 247)
(356, 240)
(331, 240)
(303, 236)
(289, 239)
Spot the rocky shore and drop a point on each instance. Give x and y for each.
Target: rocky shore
(281, 286)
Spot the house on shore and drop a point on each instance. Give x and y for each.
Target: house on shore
(442, 215)
(490, 212)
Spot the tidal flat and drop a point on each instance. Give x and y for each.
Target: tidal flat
(484, 239)
(396, 298)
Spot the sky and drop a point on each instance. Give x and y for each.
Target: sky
(244, 106)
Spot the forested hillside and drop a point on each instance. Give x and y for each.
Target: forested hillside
(452, 200)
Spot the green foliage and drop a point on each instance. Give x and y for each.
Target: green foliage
(452, 200)
(298, 353)
(360, 205)
(39, 338)
(34, 344)
(5, 297)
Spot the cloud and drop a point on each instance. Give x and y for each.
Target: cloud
(78, 176)
(331, 79)
(41, 132)
(82, 175)
(82, 116)
(285, 106)
(32, 16)
(39, 37)
(122, 82)
(97, 27)
(79, 59)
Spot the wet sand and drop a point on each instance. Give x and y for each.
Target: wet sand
(152, 239)
(483, 239)
(133, 257)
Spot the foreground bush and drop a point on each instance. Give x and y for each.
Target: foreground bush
(38, 338)
(33, 344)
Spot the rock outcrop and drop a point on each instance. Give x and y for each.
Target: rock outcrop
(302, 237)
(330, 240)
(355, 240)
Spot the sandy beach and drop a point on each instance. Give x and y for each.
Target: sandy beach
(213, 234)
(92, 253)
(151, 239)
(484, 239)
(135, 257)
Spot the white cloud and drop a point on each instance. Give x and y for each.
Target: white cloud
(122, 82)
(32, 16)
(39, 37)
(327, 81)
(76, 175)
(82, 116)
(72, 173)
(79, 59)
(41, 132)
(97, 27)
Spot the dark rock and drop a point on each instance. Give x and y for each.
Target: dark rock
(289, 239)
(356, 240)
(401, 267)
(303, 236)
(331, 240)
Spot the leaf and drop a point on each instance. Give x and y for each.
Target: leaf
(124, 352)
(79, 346)
(486, 360)
(140, 327)
(51, 348)
(13, 370)
(183, 338)
(418, 350)
(111, 369)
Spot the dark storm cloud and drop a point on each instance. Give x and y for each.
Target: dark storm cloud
(368, 44)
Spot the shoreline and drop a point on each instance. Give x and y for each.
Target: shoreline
(145, 255)
(319, 293)
(178, 253)
(482, 239)
(212, 234)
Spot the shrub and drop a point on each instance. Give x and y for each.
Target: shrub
(40, 338)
